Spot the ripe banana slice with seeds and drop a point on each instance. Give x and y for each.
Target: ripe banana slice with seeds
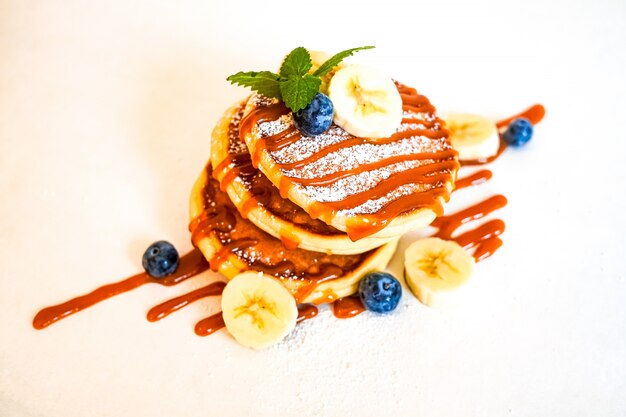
(366, 103)
(258, 310)
(474, 137)
(434, 268)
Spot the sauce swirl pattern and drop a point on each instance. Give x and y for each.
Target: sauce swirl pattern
(370, 182)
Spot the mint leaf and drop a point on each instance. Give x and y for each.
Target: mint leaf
(333, 61)
(296, 63)
(298, 91)
(293, 85)
(264, 82)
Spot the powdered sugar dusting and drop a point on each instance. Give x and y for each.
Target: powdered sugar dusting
(350, 158)
(423, 131)
(308, 146)
(359, 183)
(276, 126)
(376, 205)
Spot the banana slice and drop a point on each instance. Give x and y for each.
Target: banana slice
(474, 137)
(318, 58)
(258, 310)
(435, 268)
(366, 103)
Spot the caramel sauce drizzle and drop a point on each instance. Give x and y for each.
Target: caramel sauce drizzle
(326, 272)
(354, 141)
(534, 114)
(210, 325)
(233, 247)
(364, 225)
(427, 175)
(346, 307)
(483, 239)
(435, 175)
(237, 236)
(306, 312)
(168, 307)
(290, 241)
(191, 264)
(473, 180)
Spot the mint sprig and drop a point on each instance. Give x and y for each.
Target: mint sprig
(265, 82)
(296, 63)
(336, 59)
(298, 92)
(294, 84)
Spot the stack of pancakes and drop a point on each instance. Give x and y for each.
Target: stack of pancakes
(317, 212)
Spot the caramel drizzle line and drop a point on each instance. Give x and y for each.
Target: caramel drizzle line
(427, 175)
(190, 265)
(290, 135)
(327, 272)
(327, 180)
(168, 307)
(534, 114)
(233, 247)
(232, 160)
(306, 312)
(411, 100)
(211, 324)
(205, 326)
(365, 225)
(233, 166)
(209, 220)
(484, 238)
(354, 141)
(477, 178)
(347, 307)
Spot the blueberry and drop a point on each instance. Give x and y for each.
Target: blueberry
(519, 132)
(380, 292)
(315, 118)
(160, 259)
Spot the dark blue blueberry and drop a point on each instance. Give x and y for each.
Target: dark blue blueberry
(519, 132)
(160, 259)
(380, 292)
(315, 118)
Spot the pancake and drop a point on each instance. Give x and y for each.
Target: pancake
(378, 188)
(259, 201)
(233, 244)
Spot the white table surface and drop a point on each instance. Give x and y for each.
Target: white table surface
(105, 116)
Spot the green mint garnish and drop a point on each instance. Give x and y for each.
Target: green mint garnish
(334, 60)
(293, 85)
(298, 92)
(265, 82)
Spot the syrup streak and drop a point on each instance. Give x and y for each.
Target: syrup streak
(433, 174)
(473, 180)
(347, 307)
(210, 325)
(190, 265)
(168, 307)
(484, 238)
